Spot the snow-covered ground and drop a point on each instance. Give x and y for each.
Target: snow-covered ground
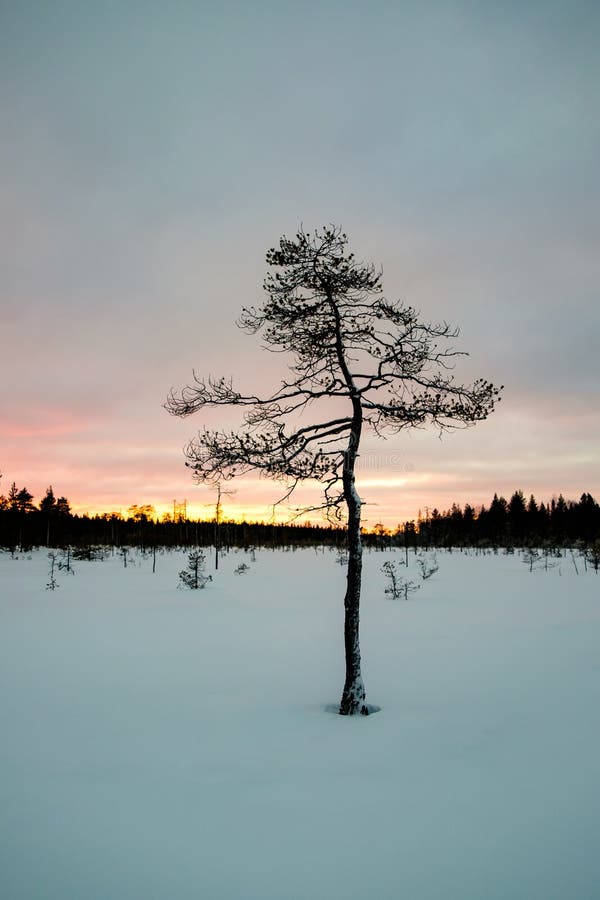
(164, 744)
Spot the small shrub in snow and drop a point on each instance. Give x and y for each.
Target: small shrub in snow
(193, 577)
(89, 553)
(428, 565)
(65, 562)
(389, 570)
(407, 588)
(398, 587)
(592, 555)
(239, 570)
(342, 558)
(544, 559)
(52, 582)
(531, 557)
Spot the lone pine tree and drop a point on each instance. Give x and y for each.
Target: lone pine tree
(358, 361)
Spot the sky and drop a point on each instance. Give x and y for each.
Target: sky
(150, 154)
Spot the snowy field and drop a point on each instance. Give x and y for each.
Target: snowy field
(163, 744)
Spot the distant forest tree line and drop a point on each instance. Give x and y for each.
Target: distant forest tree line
(517, 522)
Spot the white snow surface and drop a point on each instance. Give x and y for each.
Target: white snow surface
(165, 744)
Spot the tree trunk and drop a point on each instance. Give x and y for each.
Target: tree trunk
(217, 523)
(353, 696)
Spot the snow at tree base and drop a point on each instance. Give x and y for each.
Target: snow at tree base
(167, 743)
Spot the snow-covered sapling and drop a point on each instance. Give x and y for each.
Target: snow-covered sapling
(65, 562)
(531, 557)
(241, 569)
(428, 565)
(407, 588)
(398, 587)
(89, 553)
(389, 570)
(193, 577)
(592, 555)
(342, 557)
(52, 582)
(574, 561)
(538, 560)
